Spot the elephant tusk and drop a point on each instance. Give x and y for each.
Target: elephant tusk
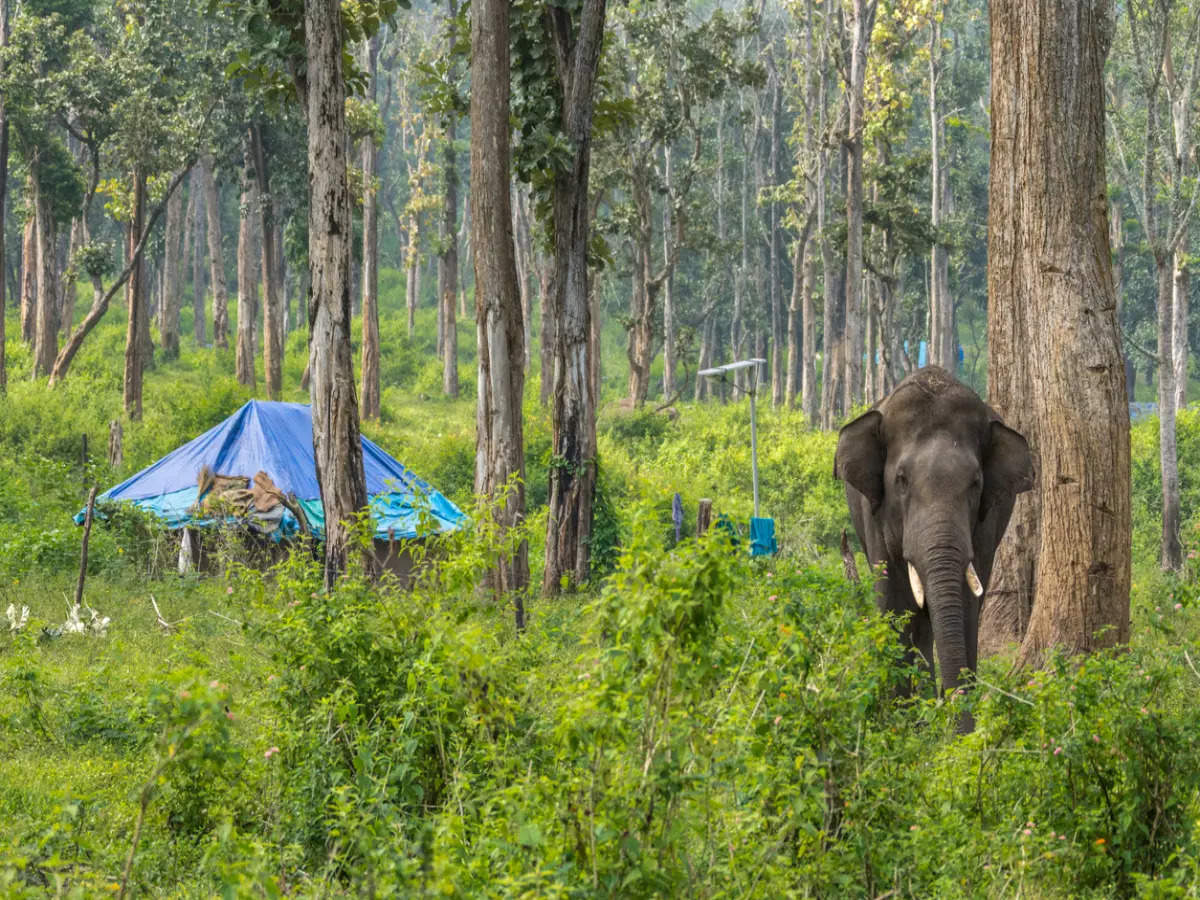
(914, 581)
(973, 581)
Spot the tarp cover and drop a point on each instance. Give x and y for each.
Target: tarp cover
(276, 438)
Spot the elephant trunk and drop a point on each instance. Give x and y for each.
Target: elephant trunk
(944, 585)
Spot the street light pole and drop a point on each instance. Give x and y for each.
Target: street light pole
(721, 372)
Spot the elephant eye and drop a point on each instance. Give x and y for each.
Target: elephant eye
(901, 479)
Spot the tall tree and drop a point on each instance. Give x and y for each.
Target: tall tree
(3, 190)
(370, 250)
(1160, 149)
(272, 281)
(577, 43)
(172, 277)
(1056, 371)
(448, 258)
(499, 436)
(216, 261)
(337, 443)
(861, 21)
(942, 341)
(135, 301)
(247, 269)
(196, 214)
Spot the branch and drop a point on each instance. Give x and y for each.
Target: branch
(100, 306)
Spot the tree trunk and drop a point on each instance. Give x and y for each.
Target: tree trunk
(861, 22)
(168, 311)
(247, 271)
(645, 293)
(134, 295)
(196, 202)
(1055, 363)
(667, 293)
(29, 267)
(941, 310)
(808, 356)
(337, 444)
(412, 283)
(500, 445)
(3, 195)
(523, 240)
(45, 345)
(212, 207)
(272, 295)
(370, 252)
(1168, 458)
(1179, 325)
(781, 322)
(448, 260)
(573, 471)
(547, 324)
(799, 319)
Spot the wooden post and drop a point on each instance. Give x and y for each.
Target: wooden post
(703, 516)
(116, 450)
(87, 531)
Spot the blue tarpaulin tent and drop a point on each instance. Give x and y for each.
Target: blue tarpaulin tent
(276, 438)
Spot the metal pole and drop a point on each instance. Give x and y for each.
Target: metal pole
(754, 441)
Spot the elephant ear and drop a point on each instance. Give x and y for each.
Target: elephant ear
(860, 456)
(1007, 467)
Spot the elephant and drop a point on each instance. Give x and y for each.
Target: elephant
(931, 476)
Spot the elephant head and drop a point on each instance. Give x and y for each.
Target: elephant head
(931, 477)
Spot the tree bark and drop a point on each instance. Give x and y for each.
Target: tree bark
(448, 260)
(370, 252)
(45, 345)
(412, 284)
(1055, 361)
(573, 468)
(1179, 325)
(942, 342)
(135, 355)
(272, 294)
(172, 290)
(1168, 454)
(196, 202)
(29, 268)
(861, 22)
(3, 196)
(212, 207)
(337, 444)
(247, 271)
(500, 444)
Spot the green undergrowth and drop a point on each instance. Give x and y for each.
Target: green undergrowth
(694, 723)
(699, 725)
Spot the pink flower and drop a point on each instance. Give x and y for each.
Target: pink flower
(1028, 831)
(229, 714)
(229, 590)
(778, 719)
(1062, 837)
(1057, 750)
(271, 677)
(912, 827)
(772, 598)
(183, 695)
(214, 684)
(1178, 606)
(1145, 711)
(1096, 738)
(271, 751)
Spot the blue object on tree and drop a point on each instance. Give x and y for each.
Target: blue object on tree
(762, 537)
(677, 515)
